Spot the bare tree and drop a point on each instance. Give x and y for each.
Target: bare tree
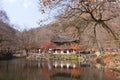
(26, 39)
(97, 13)
(8, 36)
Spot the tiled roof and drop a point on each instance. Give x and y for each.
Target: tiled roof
(61, 39)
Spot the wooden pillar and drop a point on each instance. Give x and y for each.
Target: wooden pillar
(68, 52)
(62, 52)
(74, 51)
(56, 51)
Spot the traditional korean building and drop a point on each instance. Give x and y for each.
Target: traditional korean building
(63, 44)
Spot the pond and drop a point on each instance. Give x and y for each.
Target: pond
(21, 69)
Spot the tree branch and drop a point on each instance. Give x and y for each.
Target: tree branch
(110, 32)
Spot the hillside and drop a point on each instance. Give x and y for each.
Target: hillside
(8, 36)
(36, 37)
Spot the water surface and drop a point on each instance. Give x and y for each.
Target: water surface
(21, 69)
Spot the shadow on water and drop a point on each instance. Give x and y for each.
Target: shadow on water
(20, 69)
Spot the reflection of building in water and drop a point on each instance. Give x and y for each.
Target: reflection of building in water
(64, 65)
(60, 69)
(64, 74)
(57, 65)
(82, 71)
(61, 73)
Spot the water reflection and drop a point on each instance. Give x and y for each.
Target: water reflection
(53, 70)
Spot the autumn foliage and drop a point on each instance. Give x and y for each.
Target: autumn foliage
(45, 45)
(76, 72)
(110, 75)
(107, 59)
(75, 46)
(46, 2)
(45, 72)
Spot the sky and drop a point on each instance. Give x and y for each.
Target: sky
(24, 13)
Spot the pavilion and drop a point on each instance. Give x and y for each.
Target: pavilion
(63, 44)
